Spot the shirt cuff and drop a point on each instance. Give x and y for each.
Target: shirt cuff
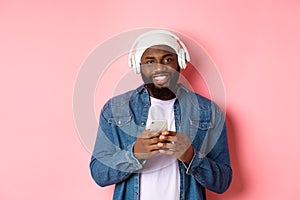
(139, 163)
(195, 162)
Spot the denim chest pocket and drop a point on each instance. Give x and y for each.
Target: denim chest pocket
(122, 129)
(120, 120)
(201, 124)
(201, 119)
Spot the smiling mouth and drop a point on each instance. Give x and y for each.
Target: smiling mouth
(160, 79)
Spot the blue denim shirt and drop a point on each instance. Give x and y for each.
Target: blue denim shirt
(124, 117)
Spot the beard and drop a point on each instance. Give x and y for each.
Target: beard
(166, 92)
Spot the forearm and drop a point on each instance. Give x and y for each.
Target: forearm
(112, 167)
(104, 175)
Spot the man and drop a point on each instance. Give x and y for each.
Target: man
(179, 160)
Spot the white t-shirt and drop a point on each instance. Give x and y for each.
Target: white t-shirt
(160, 178)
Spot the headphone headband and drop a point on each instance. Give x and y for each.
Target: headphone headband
(157, 37)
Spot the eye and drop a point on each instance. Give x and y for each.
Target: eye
(168, 60)
(149, 62)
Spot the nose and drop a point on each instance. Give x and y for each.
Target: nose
(159, 67)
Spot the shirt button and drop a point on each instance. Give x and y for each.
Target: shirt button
(143, 123)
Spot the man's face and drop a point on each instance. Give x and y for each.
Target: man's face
(159, 66)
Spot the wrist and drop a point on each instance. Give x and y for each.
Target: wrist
(188, 155)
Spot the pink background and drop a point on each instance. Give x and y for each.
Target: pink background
(255, 45)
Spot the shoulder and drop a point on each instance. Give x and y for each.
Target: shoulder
(118, 100)
(198, 101)
(121, 101)
(192, 97)
(115, 105)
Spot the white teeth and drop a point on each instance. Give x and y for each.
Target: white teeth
(159, 78)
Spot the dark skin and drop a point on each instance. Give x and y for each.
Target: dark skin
(160, 73)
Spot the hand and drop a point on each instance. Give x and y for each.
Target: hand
(176, 144)
(146, 145)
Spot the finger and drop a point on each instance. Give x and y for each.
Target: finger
(169, 133)
(167, 152)
(164, 138)
(170, 146)
(153, 147)
(154, 140)
(173, 146)
(167, 146)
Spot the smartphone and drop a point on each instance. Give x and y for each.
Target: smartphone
(158, 126)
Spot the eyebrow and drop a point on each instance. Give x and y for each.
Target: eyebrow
(152, 57)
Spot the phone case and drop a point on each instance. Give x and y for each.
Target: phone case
(158, 126)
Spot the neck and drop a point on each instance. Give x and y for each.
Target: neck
(160, 93)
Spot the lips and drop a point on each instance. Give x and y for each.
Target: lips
(160, 79)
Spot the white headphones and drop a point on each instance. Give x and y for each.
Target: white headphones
(157, 37)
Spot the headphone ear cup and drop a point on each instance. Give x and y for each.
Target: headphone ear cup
(134, 64)
(181, 59)
(137, 67)
(131, 63)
